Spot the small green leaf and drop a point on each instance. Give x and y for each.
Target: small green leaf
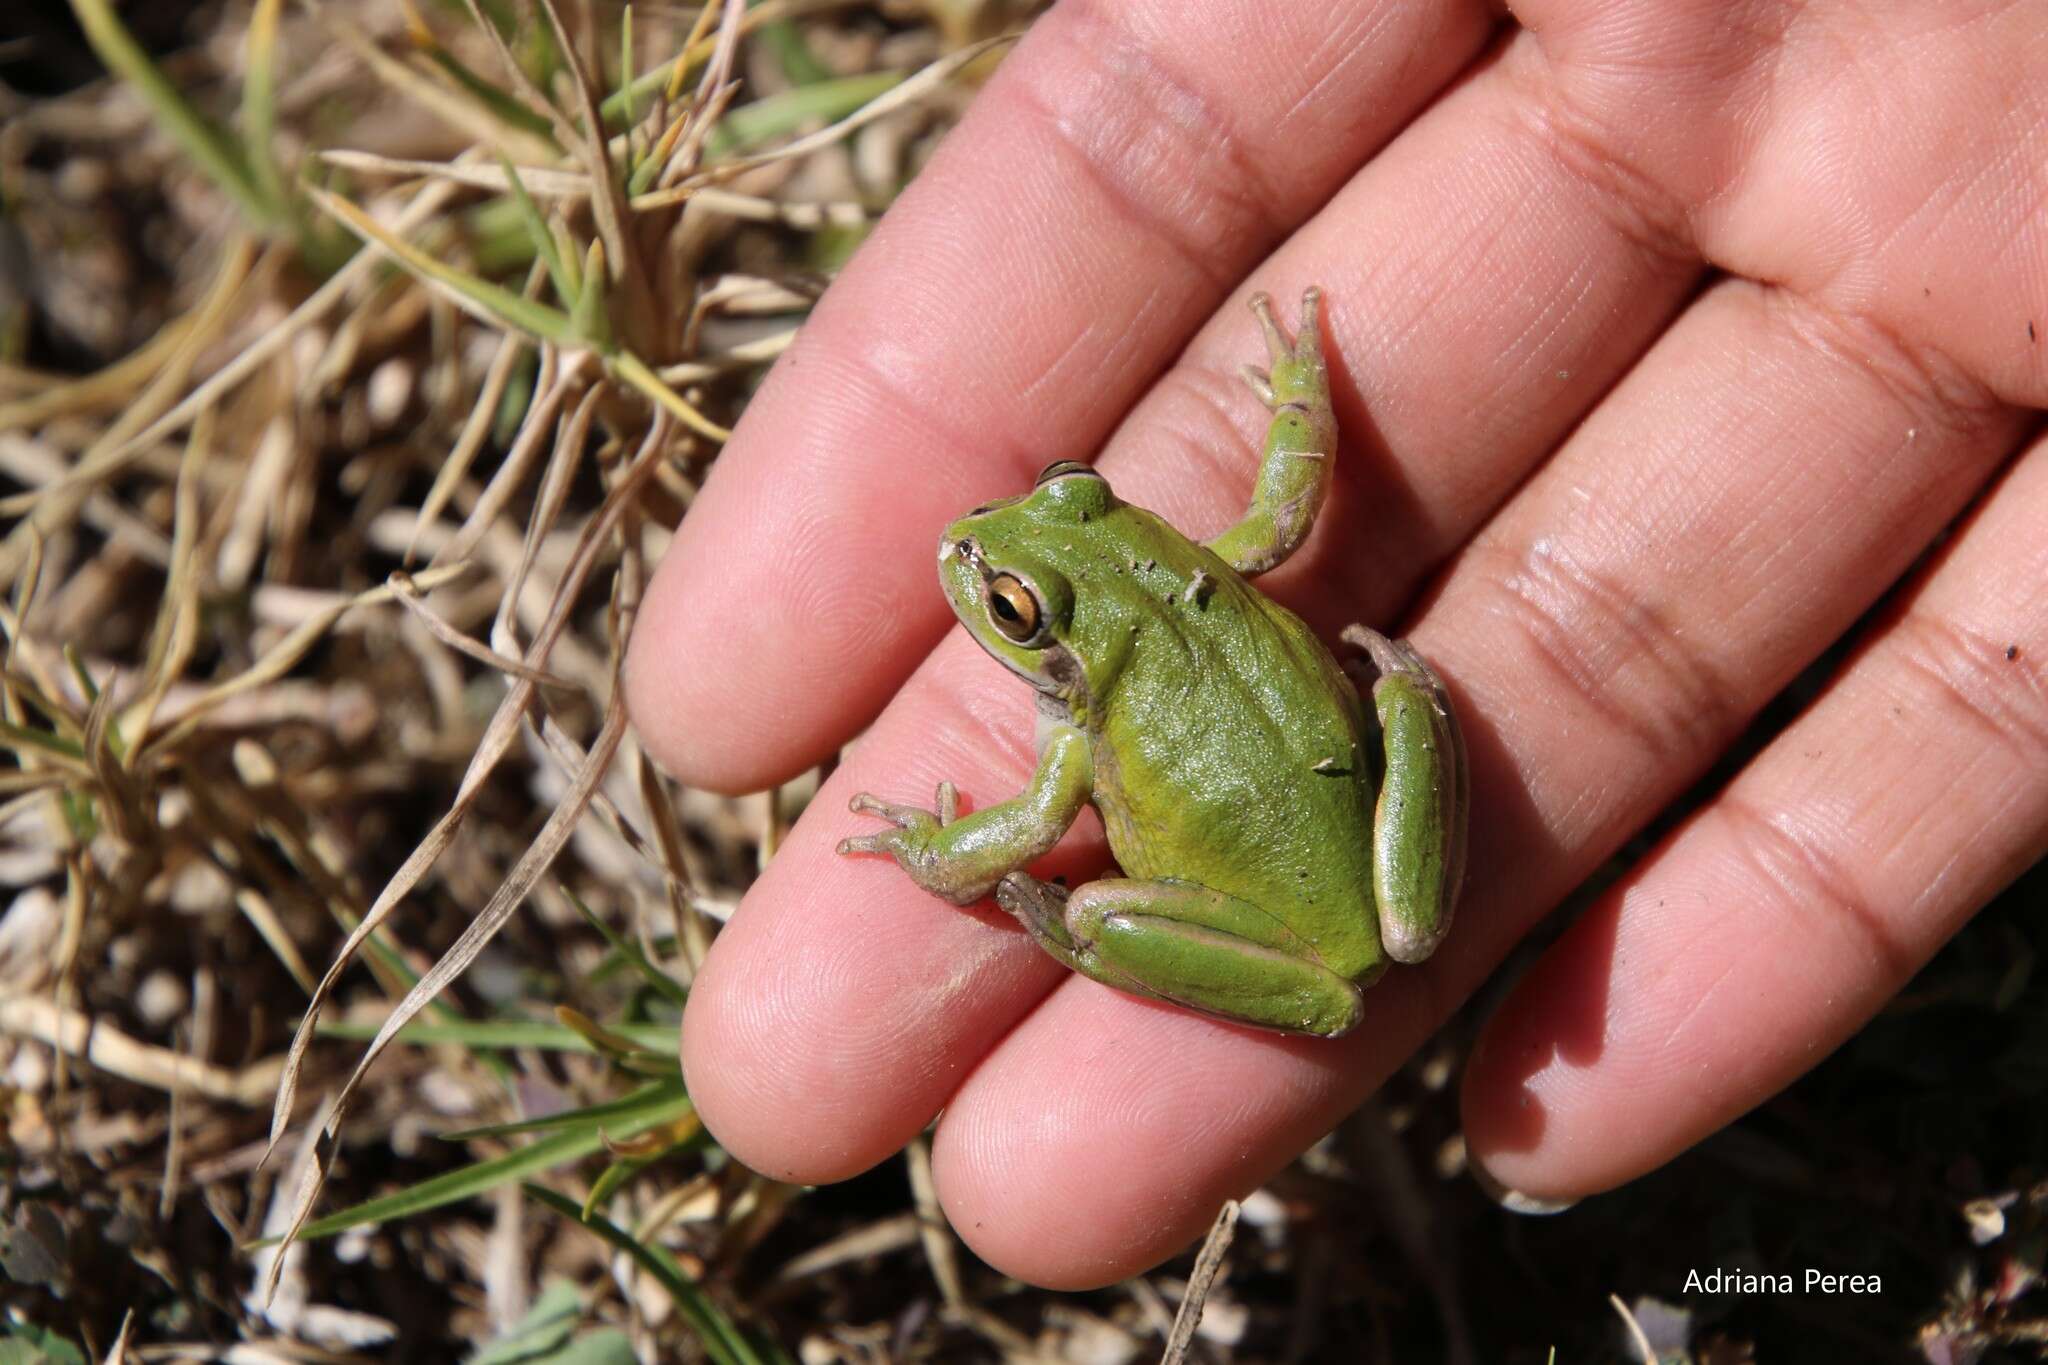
(571, 258)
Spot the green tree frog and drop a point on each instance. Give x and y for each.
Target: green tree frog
(1279, 840)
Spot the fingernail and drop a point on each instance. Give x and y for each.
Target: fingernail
(1514, 1201)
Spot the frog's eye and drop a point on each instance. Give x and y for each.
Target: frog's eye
(1061, 469)
(1013, 607)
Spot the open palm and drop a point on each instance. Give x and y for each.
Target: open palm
(1666, 336)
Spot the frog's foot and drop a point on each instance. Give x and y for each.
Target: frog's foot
(1041, 907)
(1388, 657)
(907, 819)
(1419, 822)
(1297, 376)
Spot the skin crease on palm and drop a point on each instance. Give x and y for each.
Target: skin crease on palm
(1665, 336)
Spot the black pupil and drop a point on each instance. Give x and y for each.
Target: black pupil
(1001, 606)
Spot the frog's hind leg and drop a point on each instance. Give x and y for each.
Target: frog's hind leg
(1189, 945)
(1418, 832)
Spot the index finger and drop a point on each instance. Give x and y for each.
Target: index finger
(1212, 131)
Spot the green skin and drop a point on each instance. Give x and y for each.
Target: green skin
(1279, 840)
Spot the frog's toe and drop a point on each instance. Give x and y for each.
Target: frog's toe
(1308, 341)
(903, 817)
(1261, 384)
(1276, 340)
(862, 843)
(1041, 907)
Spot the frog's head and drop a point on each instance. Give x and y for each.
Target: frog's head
(1000, 568)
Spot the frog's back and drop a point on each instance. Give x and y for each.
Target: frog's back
(1233, 755)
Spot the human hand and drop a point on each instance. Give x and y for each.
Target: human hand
(1661, 347)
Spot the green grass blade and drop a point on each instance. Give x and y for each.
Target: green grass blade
(591, 1115)
(543, 237)
(495, 301)
(214, 151)
(629, 951)
(722, 1340)
(629, 103)
(591, 318)
(792, 53)
(479, 1177)
(55, 745)
(635, 372)
(500, 105)
(259, 102)
(786, 112)
(610, 1180)
(508, 1033)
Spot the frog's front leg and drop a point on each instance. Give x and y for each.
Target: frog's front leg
(1418, 828)
(1190, 945)
(961, 860)
(1301, 440)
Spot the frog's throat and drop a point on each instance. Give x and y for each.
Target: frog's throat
(1059, 684)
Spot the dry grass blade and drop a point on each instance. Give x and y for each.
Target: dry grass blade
(496, 740)
(76, 1034)
(545, 182)
(559, 377)
(286, 653)
(511, 346)
(118, 452)
(553, 835)
(1639, 1338)
(112, 387)
(932, 1230)
(54, 503)
(1208, 1265)
(409, 597)
(907, 93)
(715, 92)
(177, 623)
(457, 108)
(570, 439)
(117, 1354)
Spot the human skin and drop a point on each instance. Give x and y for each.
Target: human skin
(1666, 336)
